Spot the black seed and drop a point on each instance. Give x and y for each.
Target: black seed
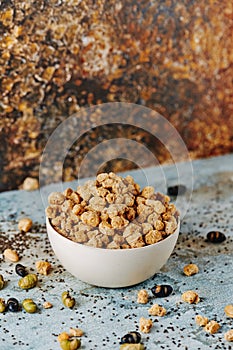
(215, 237)
(20, 270)
(162, 291)
(131, 338)
(12, 305)
(176, 190)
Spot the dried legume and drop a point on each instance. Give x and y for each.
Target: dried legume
(67, 300)
(70, 344)
(132, 347)
(176, 190)
(2, 282)
(28, 282)
(20, 270)
(2, 305)
(29, 306)
(12, 305)
(63, 336)
(216, 237)
(131, 338)
(162, 291)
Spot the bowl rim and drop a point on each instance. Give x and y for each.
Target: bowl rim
(147, 247)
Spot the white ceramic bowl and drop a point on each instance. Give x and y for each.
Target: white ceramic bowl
(111, 268)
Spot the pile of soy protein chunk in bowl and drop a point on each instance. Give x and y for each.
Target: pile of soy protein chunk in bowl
(112, 212)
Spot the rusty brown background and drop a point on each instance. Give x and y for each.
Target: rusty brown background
(175, 57)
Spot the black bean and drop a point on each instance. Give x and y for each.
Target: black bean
(162, 291)
(20, 270)
(12, 305)
(215, 237)
(176, 190)
(131, 338)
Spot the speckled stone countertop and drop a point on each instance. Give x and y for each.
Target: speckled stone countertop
(107, 314)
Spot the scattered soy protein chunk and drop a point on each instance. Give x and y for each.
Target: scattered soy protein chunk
(190, 269)
(229, 335)
(201, 320)
(157, 310)
(212, 327)
(145, 325)
(47, 305)
(142, 296)
(229, 310)
(11, 255)
(190, 297)
(25, 224)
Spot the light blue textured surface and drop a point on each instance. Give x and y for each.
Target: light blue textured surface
(107, 314)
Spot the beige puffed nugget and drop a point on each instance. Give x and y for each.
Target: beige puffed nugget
(43, 267)
(157, 310)
(229, 310)
(47, 305)
(56, 198)
(76, 332)
(229, 335)
(190, 297)
(148, 192)
(115, 207)
(11, 255)
(153, 236)
(90, 218)
(145, 325)
(25, 224)
(142, 296)
(201, 320)
(212, 327)
(190, 269)
(30, 184)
